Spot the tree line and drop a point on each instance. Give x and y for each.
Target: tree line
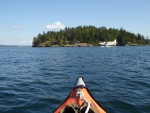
(88, 34)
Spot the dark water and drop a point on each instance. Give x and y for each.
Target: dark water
(37, 80)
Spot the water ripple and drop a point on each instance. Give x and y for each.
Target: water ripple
(37, 80)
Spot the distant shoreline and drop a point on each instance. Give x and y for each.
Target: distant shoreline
(87, 45)
(67, 45)
(15, 45)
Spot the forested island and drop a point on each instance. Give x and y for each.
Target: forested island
(88, 36)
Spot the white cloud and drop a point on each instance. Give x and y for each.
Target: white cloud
(16, 27)
(55, 26)
(8, 43)
(23, 42)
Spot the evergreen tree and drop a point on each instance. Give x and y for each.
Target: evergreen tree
(88, 34)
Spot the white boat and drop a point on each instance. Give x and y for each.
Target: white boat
(110, 43)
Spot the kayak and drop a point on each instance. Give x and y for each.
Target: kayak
(80, 100)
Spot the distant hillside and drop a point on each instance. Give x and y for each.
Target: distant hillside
(15, 46)
(89, 35)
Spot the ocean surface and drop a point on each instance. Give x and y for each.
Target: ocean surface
(37, 80)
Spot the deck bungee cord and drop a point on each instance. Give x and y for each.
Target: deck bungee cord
(80, 94)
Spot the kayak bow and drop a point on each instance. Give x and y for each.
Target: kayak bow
(80, 101)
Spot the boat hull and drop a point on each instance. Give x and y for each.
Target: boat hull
(77, 102)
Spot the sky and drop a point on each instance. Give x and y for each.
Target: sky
(22, 20)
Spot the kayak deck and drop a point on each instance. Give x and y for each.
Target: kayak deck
(80, 101)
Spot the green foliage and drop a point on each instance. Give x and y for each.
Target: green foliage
(88, 34)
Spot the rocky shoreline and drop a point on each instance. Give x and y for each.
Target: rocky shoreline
(68, 45)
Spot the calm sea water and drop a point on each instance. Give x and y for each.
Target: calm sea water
(37, 80)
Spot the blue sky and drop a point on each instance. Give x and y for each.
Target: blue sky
(21, 20)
